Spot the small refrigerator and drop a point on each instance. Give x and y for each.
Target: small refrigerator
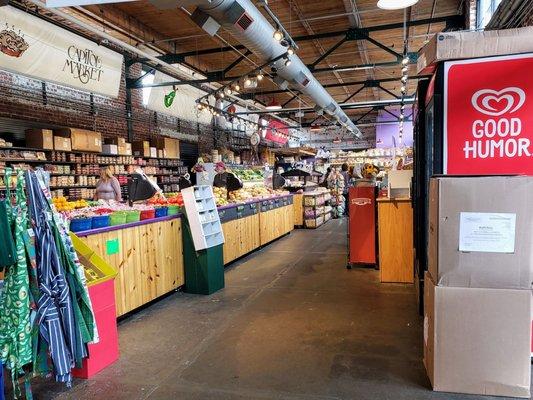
(362, 226)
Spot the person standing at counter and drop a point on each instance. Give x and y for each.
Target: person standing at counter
(108, 187)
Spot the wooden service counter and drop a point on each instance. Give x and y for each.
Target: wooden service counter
(148, 256)
(395, 228)
(253, 224)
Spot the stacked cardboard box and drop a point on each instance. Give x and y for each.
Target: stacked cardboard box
(119, 146)
(166, 147)
(81, 139)
(477, 318)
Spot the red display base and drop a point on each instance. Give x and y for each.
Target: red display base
(105, 352)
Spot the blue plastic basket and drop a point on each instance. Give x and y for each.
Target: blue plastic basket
(101, 221)
(80, 224)
(161, 212)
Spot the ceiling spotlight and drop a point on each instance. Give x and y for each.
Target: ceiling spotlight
(290, 51)
(236, 87)
(396, 4)
(227, 91)
(288, 62)
(405, 69)
(403, 89)
(199, 106)
(220, 95)
(402, 107)
(404, 79)
(401, 116)
(260, 76)
(284, 42)
(405, 60)
(278, 35)
(247, 81)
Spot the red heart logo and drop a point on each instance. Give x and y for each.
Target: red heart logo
(496, 103)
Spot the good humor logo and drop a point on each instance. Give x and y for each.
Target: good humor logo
(84, 65)
(497, 137)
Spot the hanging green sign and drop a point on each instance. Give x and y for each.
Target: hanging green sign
(169, 99)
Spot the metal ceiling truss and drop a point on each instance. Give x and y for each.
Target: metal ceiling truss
(452, 21)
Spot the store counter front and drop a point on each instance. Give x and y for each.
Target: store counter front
(148, 256)
(395, 231)
(250, 225)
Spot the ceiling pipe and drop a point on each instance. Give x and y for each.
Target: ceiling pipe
(246, 23)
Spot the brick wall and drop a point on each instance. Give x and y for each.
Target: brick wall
(24, 99)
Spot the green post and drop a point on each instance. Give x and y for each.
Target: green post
(204, 269)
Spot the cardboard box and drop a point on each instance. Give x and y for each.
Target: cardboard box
(125, 149)
(119, 141)
(81, 139)
(169, 146)
(153, 152)
(480, 210)
(40, 139)
(62, 144)
(141, 148)
(110, 149)
(94, 141)
(460, 45)
(477, 341)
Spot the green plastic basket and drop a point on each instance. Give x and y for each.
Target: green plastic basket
(173, 210)
(117, 218)
(133, 216)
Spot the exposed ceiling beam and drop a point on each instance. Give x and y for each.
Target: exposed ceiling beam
(453, 20)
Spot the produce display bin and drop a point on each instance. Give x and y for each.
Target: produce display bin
(80, 224)
(101, 284)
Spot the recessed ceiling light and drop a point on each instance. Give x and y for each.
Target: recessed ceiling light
(396, 4)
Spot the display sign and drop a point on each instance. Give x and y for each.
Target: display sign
(488, 116)
(36, 48)
(277, 132)
(487, 232)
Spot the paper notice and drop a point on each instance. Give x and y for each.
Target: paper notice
(487, 232)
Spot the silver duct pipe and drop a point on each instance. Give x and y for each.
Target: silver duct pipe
(246, 23)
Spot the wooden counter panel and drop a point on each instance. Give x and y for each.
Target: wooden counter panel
(275, 223)
(395, 226)
(149, 261)
(298, 203)
(242, 237)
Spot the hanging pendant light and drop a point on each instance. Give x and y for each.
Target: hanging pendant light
(396, 4)
(273, 105)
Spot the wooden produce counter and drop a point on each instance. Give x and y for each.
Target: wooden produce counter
(148, 256)
(298, 204)
(276, 219)
(250, 225)
(395, 228)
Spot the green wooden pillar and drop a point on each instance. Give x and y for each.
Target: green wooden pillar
(204, 269)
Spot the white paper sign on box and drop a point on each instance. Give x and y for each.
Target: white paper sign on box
(487, 232)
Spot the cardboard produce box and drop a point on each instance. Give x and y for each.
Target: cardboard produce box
(141, 148)
(81, 139)
(40, 139)
(460, 45)
(125, 149)
(110, 149)
(62, 144)
(119, 141)
(94, 141)
(480, 231)
(169, 146)
(477, 341)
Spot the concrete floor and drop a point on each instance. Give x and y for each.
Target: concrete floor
(293, 323)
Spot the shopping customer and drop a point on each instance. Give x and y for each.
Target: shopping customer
(108, 187)
(346, 175)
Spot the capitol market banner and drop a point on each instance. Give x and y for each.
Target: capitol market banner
(33, 47)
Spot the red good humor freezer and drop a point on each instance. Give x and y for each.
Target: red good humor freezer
(362, 225)
(488, 116)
